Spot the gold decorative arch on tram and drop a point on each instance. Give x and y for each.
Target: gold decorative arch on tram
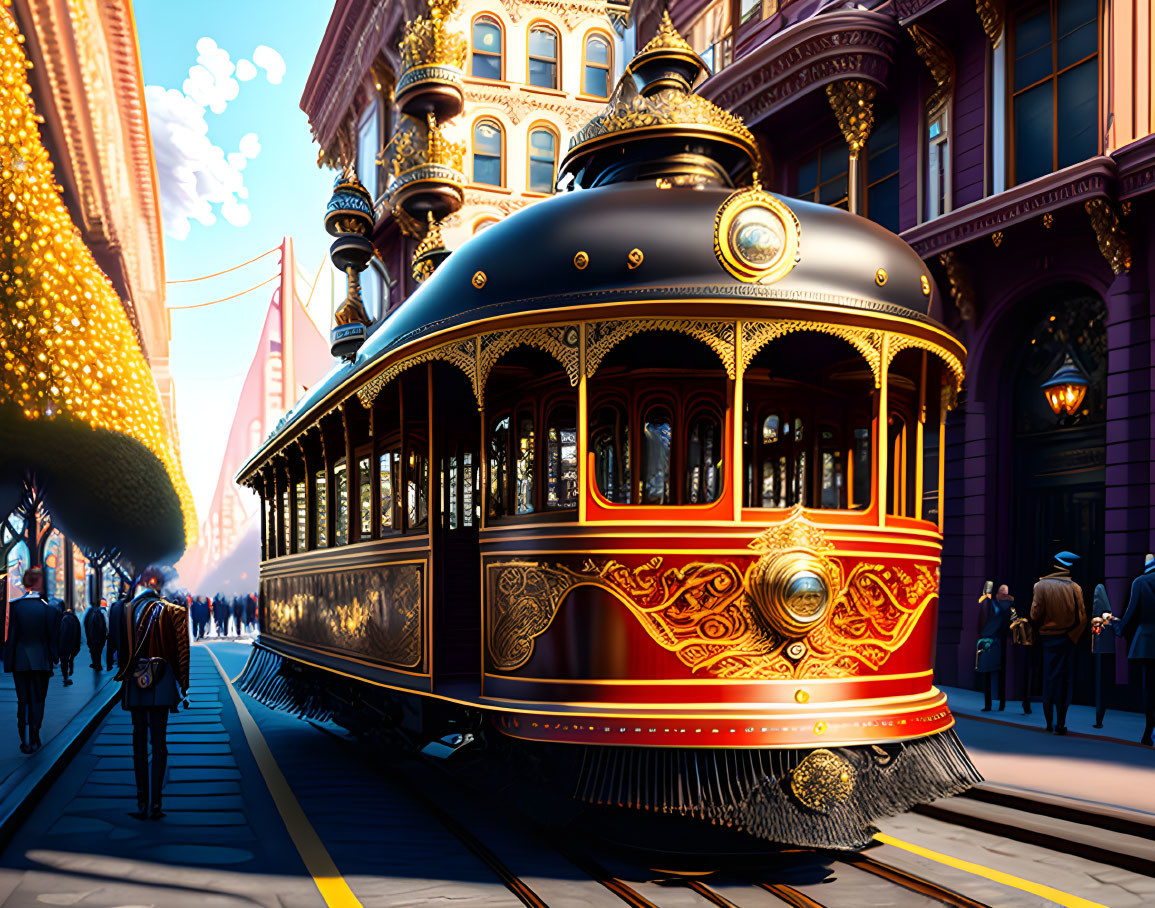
(462, 354)
(562, 342)
(900, 342)
(757, 334)
(719, 336)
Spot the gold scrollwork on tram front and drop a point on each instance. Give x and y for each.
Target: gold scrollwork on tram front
(757, 334)
(719, 336)
(704, 613)
(462, 354)
(900, 342)
(562, 342)
(375, 613)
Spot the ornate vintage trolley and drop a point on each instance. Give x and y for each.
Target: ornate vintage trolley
(645, 480)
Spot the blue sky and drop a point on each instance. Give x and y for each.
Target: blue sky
(234, 147)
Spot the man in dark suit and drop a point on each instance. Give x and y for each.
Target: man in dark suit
(221, 615)
(29, 653)
(96, 632)
(238, 612)
(115, 622)
(1138, 626)
(251, 612)
(1058, 611)
(68, 645)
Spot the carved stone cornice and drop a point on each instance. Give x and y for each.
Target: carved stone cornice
(939, 61)
(519, 105)
(1136, 164)
(1114, 243)
(1074, 185)
(503, 203)
(571, 13)
(848, 44)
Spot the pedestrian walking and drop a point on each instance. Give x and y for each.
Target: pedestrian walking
(116, 621)
(96, 632)
(238, 611)
(68, 644)
(1102, 647)
(1026, 641)
(29, 653)
(154, 669)
(1138, 626)
(994, 620)
(221, 615)
(251, 612)
(1059, 613)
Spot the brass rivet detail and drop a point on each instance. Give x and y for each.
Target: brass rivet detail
(581, 260)
(635, 258)
(925, 281)
(479, 279)
(819, 728)
(801, 696)
(880, 276)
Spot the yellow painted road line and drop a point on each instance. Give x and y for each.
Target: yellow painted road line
(997, 876)
(333, 888)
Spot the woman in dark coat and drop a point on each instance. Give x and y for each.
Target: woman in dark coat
(990, 656)
(68, 643)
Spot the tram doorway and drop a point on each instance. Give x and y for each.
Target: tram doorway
(456, 553)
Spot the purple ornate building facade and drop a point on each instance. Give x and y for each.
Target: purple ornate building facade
(1011, 145)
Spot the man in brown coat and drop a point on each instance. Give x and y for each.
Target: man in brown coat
(1058, 612)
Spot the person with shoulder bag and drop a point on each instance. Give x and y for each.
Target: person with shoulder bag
(994, 619)
(1057, 609)
(153, 653)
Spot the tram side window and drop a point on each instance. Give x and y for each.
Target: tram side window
(610, 442)
(365, 495)
(782, 457)
(388, 463)
(833, 484)
(286, 523)
(321, 509)
(417, 490)
(896, 478)
(561, 459)
(862, 467)
(302, 516)
(525, 462)
(703, 459)
(656, 435)
(498, 466)
(341, 509)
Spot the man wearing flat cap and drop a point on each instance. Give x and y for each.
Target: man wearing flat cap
(1058, 612)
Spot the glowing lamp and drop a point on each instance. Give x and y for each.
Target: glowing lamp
(1066, 389)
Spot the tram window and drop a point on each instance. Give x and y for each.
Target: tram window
(862, 467)
(525, 462)
(799, 429)
(655, 481)
(449, 492)
(561, 459)
(286, 523)
(365, 497)
(467, 490)
(770, 429)
(704, 460)
(610, 442)
(387, 464)
(833, 490)
(341, 503)
(896, 468)
(321, 509)
(498, 466)
(417, 491)
(302, 518)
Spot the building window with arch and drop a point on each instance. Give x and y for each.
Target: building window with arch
(882, 172)
(596, 65)
(938, 164)
(1054, 86)
(488, 153)
(486, 61)
(542, 168)
(542, 57)
(823, 175)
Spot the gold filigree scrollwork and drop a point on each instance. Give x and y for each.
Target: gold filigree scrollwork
(961, 289)
(900, 342)
(462, 354)
(1114, 243)
(991, 15)
(701, 611)
(562, 342)
(757, 334)
(822, 780)
(939, 61)
(602, 337)
(851, 100)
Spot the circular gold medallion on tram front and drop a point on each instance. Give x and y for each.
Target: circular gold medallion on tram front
(822, 780)
(758, 236)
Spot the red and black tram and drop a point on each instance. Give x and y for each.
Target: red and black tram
(648, 477)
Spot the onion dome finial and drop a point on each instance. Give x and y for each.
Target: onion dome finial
(667, 61)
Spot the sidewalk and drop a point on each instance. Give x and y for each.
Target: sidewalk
(1101, 766)
(67, 712)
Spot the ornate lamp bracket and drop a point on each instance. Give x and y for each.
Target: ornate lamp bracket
(851, 101)
(939, 61)
(1114, 243)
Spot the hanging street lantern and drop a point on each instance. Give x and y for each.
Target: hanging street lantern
(1066, 389)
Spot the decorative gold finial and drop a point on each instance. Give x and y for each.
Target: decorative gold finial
(352, 311)
(430, 252)
(667, 37)
(850, 100)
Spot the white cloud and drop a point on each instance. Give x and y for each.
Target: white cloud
(249, 146)
(194, 173)
(246, 70)
(271, 62)
(210, 83)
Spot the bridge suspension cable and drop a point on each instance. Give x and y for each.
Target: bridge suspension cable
(205, 277)
(225, 299)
